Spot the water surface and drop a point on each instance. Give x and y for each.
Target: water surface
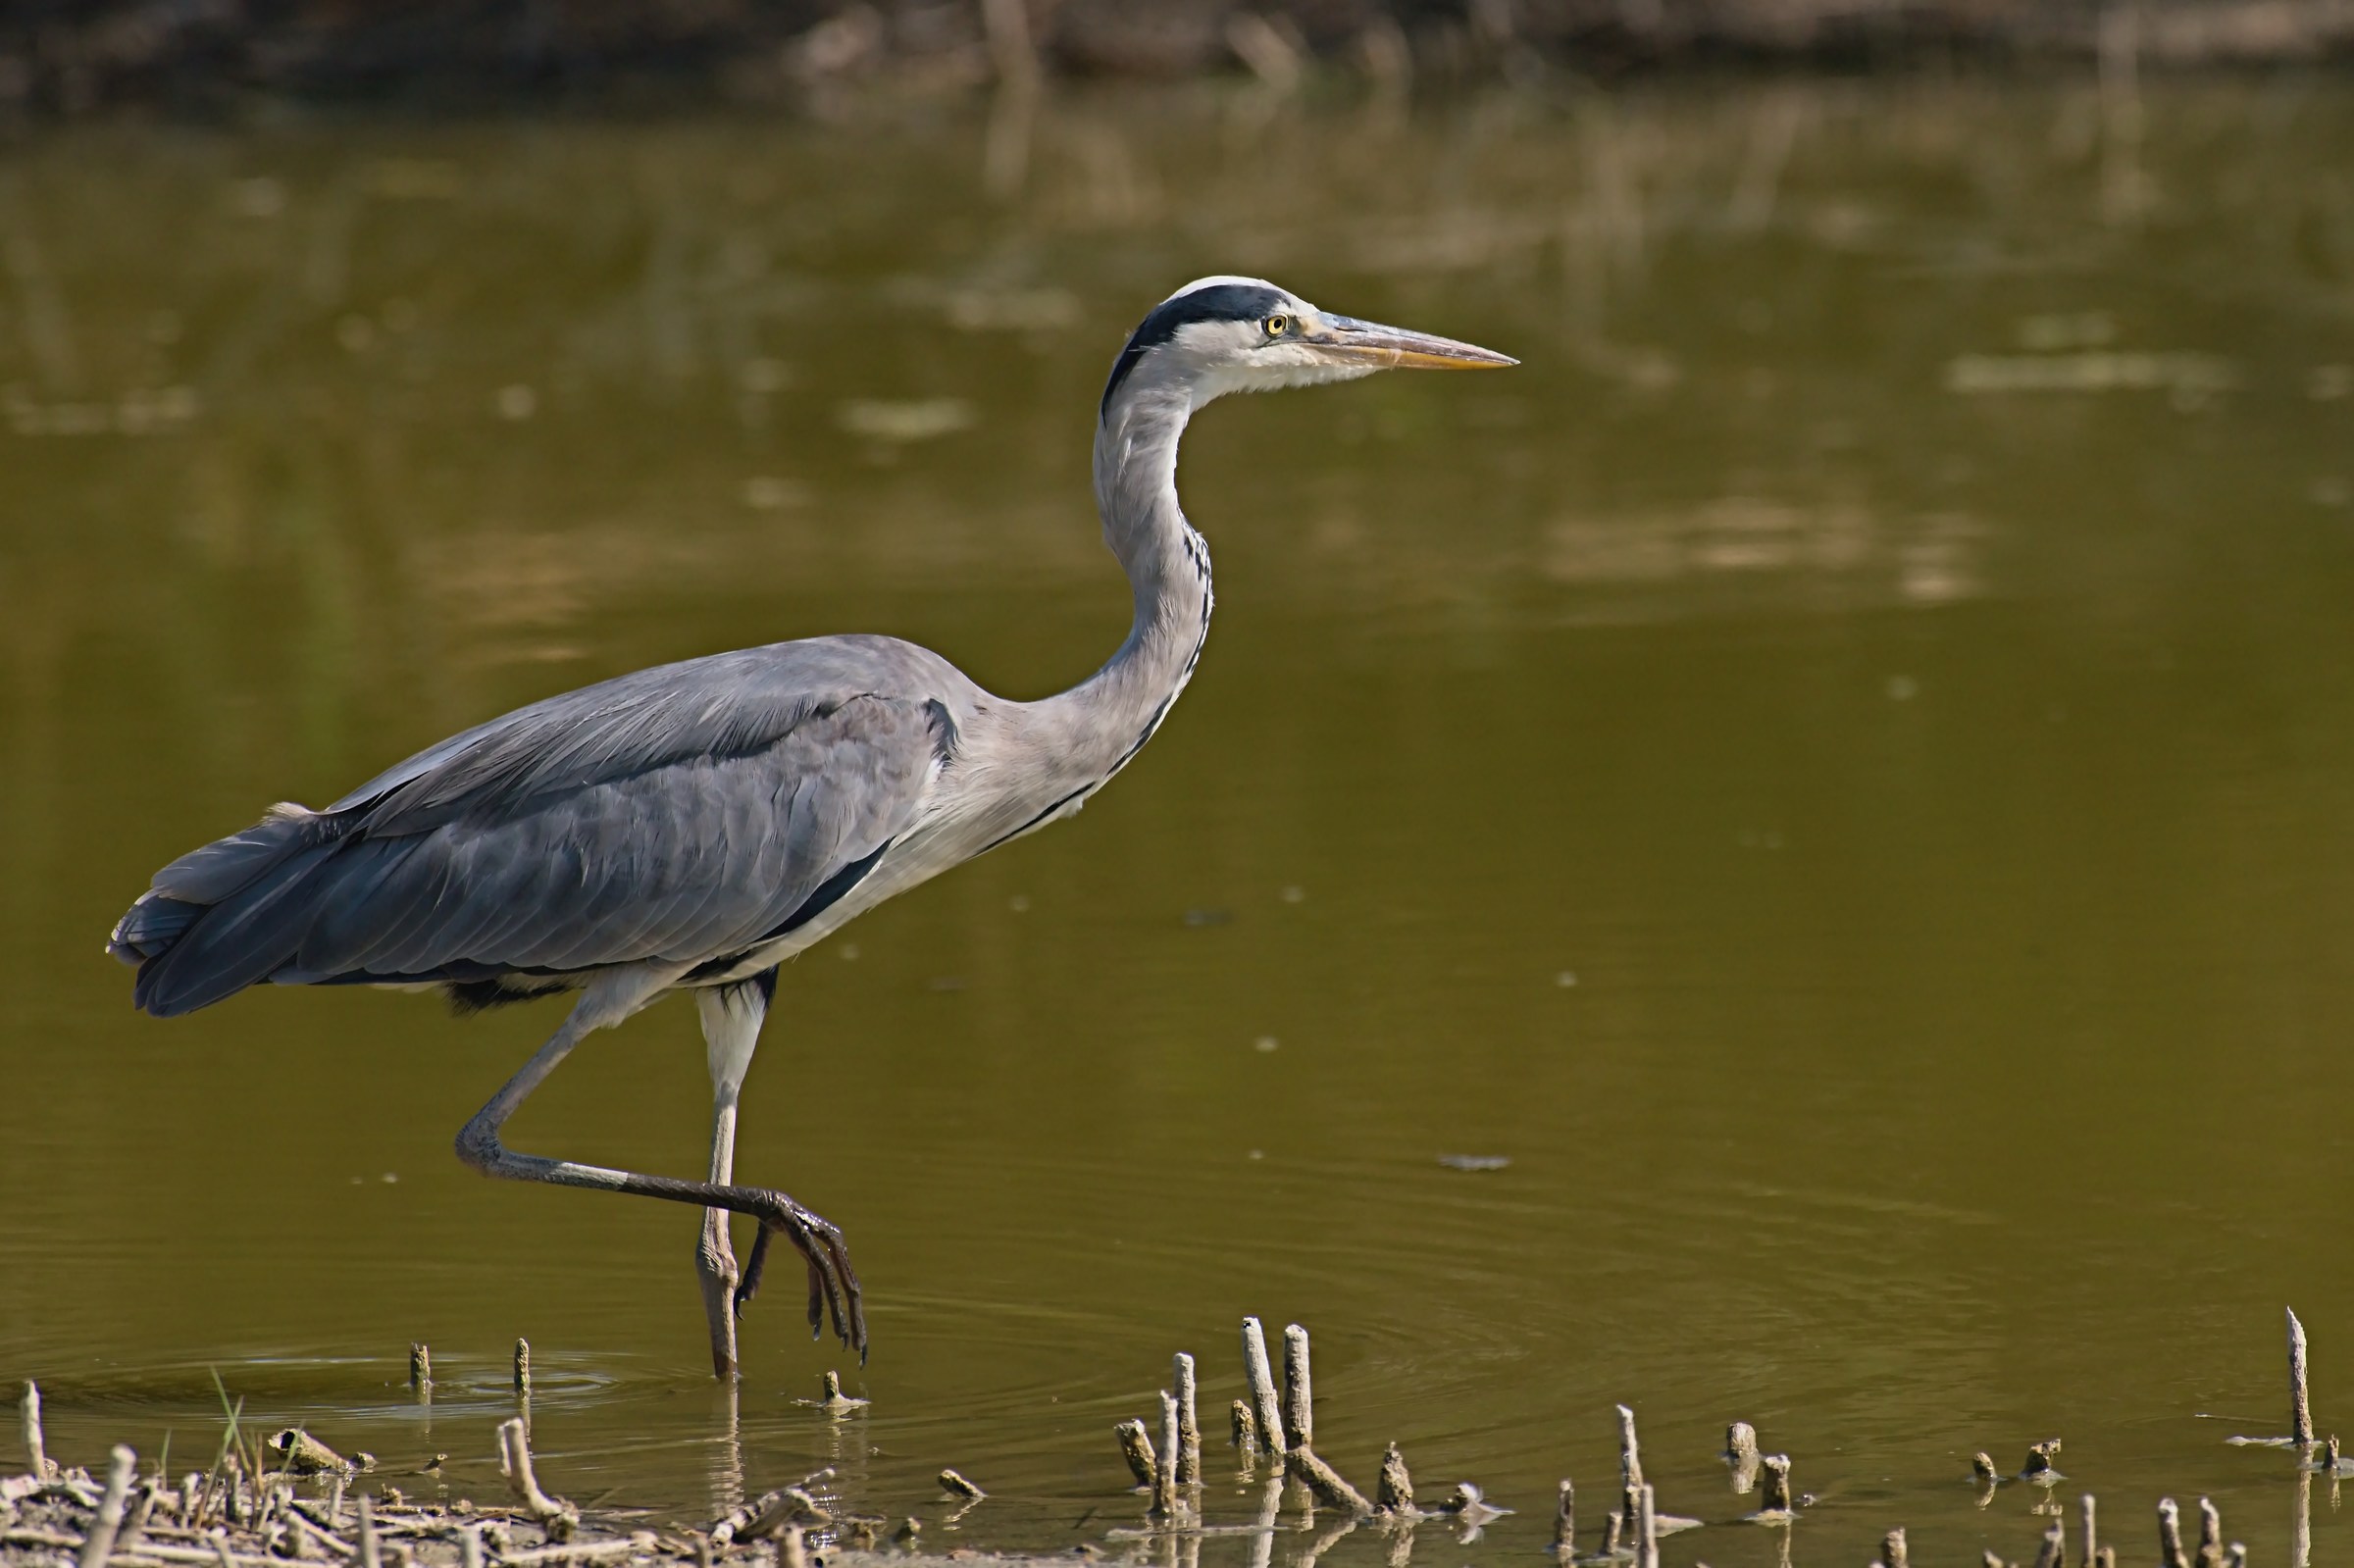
(1838, 769)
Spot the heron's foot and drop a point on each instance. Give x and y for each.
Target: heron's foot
(715, 1267)
(833, 1282)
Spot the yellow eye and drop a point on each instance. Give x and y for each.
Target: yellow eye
(1276, 325)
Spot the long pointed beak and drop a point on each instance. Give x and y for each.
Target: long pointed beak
(1350, 341)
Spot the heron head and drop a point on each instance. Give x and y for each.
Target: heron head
(1244, 334)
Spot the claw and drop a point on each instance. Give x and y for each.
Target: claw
(833, 1291)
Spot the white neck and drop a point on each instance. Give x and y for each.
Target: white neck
(1114, 711)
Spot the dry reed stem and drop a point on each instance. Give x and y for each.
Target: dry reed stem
(1189, 1424)
(2300, 1409)
(1298, 1401)
(1630, 1470)
(43, 1467)
(99, 1545)
(1262, 1380)
(1164, 1474)
(2210, 1535)
(2170, 1535)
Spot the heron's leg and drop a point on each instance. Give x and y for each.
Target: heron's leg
(833, 1282)
(732, 1017)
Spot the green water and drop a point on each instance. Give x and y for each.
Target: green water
(1841, 769)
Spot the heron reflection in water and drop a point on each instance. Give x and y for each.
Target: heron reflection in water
(692, 825)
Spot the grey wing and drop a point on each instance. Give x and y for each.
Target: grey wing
(682, 814)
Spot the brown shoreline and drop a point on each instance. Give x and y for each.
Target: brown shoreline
(215, 54)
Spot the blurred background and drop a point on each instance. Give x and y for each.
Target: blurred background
(1837, 772)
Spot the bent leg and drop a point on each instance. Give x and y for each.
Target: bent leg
(833, 1282)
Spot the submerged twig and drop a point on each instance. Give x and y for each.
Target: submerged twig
(1327, 1482)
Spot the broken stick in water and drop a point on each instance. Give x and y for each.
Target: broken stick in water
(1260, 1376)
(2053, 1553)
(523, 1367)
(2170, 1535)
(421, 1371)
(2300, 1409)
(1630, 1474)
(370, 1557)
(2041, 1468)
(1327, 1482)
(1189, 1425)
(1245, 1427)
(2210, 1535)
(1393, 1493)
(1982, 1466)
(1164, 1474)
(1299, 1402)
(2091, 1545)
(1741, 1456)
(1892, 1548)
(955, 1486)
(1135, 1447)
(1647, 1528)
(1777, 1482)
(1564, 1522)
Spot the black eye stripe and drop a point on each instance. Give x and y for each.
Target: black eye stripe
(1219, 302)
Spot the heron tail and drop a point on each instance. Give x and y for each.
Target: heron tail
(227, 916)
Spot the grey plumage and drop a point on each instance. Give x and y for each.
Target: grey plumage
(694, 824)
(684, 813)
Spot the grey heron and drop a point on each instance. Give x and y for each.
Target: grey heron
(690, 827)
